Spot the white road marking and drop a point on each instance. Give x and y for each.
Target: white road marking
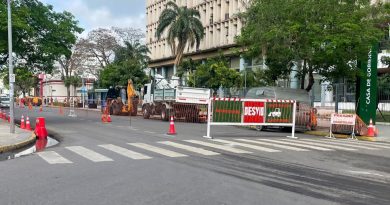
(157, 150)
(344, 144)
(323, 145)
(52, 157)
(274, 145)
(89, 154)
(365, 173)
(124, 152)
(371, 144)
(255, 147)
(297, 145)
(190, 148)
(221, 147)
(149, 132)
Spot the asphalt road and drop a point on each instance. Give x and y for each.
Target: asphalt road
(94, 164)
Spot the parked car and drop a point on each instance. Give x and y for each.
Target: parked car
(4, 101)
(305, 115)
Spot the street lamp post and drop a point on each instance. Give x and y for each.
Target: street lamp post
(10, 69)
(245, 65)
(82, 91)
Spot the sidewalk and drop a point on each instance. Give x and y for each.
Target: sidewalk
(9, 142)
(383, 132)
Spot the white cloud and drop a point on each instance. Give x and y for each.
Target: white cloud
(102, 16)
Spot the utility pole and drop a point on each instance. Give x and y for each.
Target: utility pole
(10, 70)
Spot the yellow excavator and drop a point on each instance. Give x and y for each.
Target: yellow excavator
(116, 106)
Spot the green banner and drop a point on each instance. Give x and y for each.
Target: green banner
(227, 111)
(368, 87)
(277, 112)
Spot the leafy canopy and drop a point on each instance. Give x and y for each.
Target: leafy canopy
(130, 62)
(213, 74)
(323, 36)
(40, 35)
(183, 27)
(24, 80)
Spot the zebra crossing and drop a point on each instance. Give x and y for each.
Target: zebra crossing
(203, 147)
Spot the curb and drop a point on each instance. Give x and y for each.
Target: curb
(9, 148)
(383, 123)
(341, 136)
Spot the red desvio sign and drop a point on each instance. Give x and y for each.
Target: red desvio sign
(254, 112)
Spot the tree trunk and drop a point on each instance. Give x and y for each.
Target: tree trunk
(179, 53)
(303, 76)
(67, 93)
(311, 79)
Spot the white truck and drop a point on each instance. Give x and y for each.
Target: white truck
(167, 99)
(4, 101)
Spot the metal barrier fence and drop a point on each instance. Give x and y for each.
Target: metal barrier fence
(247, 112)
(341, 98)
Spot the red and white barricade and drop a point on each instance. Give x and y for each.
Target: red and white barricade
(251, 112)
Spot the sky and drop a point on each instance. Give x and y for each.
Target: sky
(93, 14)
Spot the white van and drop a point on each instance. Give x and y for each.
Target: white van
(4, 101)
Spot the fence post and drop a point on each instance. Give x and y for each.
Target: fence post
(337, 98)
(293, 121)
(208, 120)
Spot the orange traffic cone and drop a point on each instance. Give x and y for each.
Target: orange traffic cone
(22, 125)
(104, 118)
(28, 126)
(29, 106)
(172, 130)
(61, 111)
(109, 118)
(371, 130)
(40, 108)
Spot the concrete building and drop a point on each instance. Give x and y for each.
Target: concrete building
(55, 88)
(221, 26)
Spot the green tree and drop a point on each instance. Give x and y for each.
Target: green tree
(323, 36)
(117, 74)
(215, 74)
(129, 63)
(24, 80)
(134, 50)
(74, 81)
(187, 67)
(40, 35)
(184, 27)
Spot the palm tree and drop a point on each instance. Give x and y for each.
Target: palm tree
(134, 50)
(183, 26)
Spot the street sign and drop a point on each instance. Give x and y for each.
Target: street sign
(253, 112)
(343, 119)
(279, 112)
(12, 78)
(227, 111)
(83, 89)
(368, 87)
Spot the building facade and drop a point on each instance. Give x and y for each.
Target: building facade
(56, 89)
(221, 26)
